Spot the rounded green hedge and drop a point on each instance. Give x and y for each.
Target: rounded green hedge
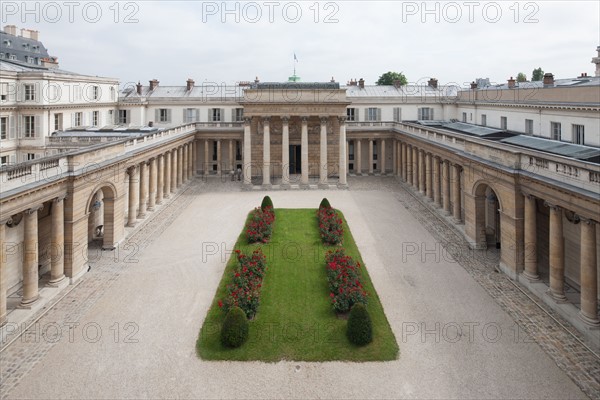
(234, 331)
(360, 328)
(266, 202)
(325, 203)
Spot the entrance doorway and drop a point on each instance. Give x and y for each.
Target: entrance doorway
(295, 159)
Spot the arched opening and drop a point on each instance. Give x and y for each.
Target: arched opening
(487, 218)
(101, 218)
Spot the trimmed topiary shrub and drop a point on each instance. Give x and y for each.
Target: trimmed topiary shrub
(266, 202)
(360, 328)
(324, 203)
(234, 331)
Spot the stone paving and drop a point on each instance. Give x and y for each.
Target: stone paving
(537, 323)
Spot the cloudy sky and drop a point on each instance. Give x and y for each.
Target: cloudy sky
(236, 41)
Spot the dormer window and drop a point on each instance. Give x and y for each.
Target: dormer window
(7, 43)
(26, 46)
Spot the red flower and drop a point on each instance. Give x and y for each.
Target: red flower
(220, 304)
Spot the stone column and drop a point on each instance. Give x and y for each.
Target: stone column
(3, 256)
(266, 172)
(304, 148)
(589, 273)
(57, 249)
(231, 161)
(179, 166)
(219, 159)
(429, 176)
(409, 165)
(160, 172)
(422, 172)
(371, 161)
(457, 194)
(323, 154)
(167, 174)
(415, 166)
(285, 152)
(437, 172)
(30, 257)
(184, 164)
(557, 255)
(173, 170)
(358, 158)
(395, 169)
(531, 266)
(405, 162)
(143, 190)
(133, 194)
(191, 160)
(343, 164)
(446, 187)
(195, 157)
(153, 183)
(382, 157)
(247, 152)
(207, 160)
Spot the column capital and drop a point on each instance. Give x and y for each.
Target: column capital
(324, 120)
(529, 196)
(267, 119)
(587, 221)
(60, 198)
(247, 120)
(132, 169)
(34, 209)
(552, 206)
(342, 120)
(304, 120)
(285, 119)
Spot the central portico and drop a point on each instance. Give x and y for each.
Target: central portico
(294, 128)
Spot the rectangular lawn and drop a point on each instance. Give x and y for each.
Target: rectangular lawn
(295, 319)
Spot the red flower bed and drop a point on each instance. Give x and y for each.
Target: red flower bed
(330, 225)
(244, 292)
(260, 225)
(343, 275)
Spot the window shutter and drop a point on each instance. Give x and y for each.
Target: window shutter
(366, 114)
(127, 116)
(431, 113)
(36, 126)
(157, 115)
(169, 115)
(11, 127)
(185, 115)
(196, 115)
(379, 114)
(222, 115)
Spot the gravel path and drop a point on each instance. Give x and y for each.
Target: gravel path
(135, 317)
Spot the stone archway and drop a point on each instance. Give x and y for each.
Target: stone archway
(101, 215)
(487, 216)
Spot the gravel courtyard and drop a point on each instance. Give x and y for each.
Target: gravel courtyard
(139, 311)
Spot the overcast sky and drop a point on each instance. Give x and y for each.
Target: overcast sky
(217, 42)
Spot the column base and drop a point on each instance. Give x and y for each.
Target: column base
(267, 186)
(323, 185)
(592, 322)
(558, 297)
(27, 304)
(167, 196)
(158, 203)
(531, 277)
(304, 186)
(285, 186)
(342, 186)
(150, 209)
(56, 282)
(131, 224)
(3, 320)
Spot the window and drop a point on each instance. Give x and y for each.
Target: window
(351, 114)
(7, 43)
(483, 120)
(214, 114)
(503, 123)
(190, 115)
(30, 156)
(95, 92)
(3, 128)
(29, 126)
(397, 114)
(112, 94)
(374, 151)
(3, 160)
(95, 115)
(373, 114)
(12, 57)
(1, 55)
(238, 115)
(425, 113)
(578, 134)
(29, 92)
(78, 119)
(58, 122)
(555, 130)
(111, 116)
(123, 116)
(163, 115)
(351, 150)
(464, 117)
(4, 91)
(529, 126)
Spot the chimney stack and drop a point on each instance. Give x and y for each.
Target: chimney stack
(511, 83)
(548, 79)
(256, 80)
(596, 60)
(25, 33)
(433, 83)
(153, 84)
(361, 83)
(138, 88)
(190, 84)
(473, 85)
(11, 30)
(352, 82)
(35, 35)
(332, 80)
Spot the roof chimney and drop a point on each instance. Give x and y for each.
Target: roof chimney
(25, 33)
(11, 30)
(548, 79)
(352, 82)
(511, 83)
(256, 80)
(332, 79)
(433, 83)
(361, 83)
(35, 35)
(138, 88)
(153, 84)
(596, 60)
(473, 85)
(190, 84)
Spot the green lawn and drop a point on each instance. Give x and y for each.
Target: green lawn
(295, 319)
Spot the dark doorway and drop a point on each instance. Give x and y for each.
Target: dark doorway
(295, 159)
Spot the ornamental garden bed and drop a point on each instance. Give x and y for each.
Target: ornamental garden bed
(295, 318)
